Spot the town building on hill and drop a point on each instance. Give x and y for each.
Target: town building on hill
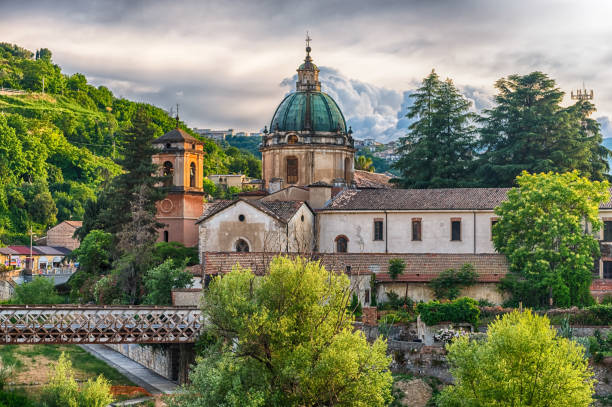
(62, 234)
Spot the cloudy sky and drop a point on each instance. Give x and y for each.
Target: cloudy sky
(229, 63)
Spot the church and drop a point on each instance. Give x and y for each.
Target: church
(315, 203)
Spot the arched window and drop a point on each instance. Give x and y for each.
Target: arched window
(292, 139)
(341, 244)
(292, 170)
(168, 172)
(242, 246)
(347, 170)
(192, 175)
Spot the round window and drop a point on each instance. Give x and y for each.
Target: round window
(241, 218)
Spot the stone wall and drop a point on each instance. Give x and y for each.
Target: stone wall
(186, 296)
(162, 359)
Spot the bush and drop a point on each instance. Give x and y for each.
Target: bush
(396, 267)
(40, 291)
(13, 398)
(355, 306)
(607, 299)
(63, 390)
(395, 302)
(96, 393)
(600, 314)
(450, 282)
(458, 311)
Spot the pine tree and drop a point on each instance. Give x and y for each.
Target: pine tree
(529, 130)
(438, 151)
(139, 178)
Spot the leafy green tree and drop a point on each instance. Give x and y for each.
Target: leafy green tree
(95, 258)
(210, 188)
(364, 163)
(439, 150)
(176, 251)
(522, 362)
(448, 284)
(160, 280)
(396, 267)
(285, 339)
(542, 232)
(530, 131)
(39, 291)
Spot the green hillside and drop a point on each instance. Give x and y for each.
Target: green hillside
(58, 148)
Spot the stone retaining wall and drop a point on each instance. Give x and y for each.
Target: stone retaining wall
(159, 358)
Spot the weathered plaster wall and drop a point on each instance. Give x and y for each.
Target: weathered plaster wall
(262, 232)
(422, 292)
(435, 232)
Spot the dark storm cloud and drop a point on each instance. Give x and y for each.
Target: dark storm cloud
(223, 60)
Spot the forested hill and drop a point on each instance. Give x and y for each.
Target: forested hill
(56, 147)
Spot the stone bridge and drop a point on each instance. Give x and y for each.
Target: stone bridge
(111, 324)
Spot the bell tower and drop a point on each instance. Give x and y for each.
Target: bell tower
(181, 161)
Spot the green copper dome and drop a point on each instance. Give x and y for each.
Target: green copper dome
(293, 114)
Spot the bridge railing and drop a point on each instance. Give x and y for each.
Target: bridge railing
(38, 324)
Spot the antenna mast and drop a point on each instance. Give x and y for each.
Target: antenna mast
(582, 94)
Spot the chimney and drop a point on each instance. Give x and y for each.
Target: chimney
(275, 185)
(319, 193)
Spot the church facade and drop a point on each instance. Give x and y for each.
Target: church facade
(316, 204)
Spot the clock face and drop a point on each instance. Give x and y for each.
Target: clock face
(166, 205)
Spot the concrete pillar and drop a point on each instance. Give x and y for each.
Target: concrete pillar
(186, 359)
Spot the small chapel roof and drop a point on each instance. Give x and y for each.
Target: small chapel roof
(280, 210)
(176, 135)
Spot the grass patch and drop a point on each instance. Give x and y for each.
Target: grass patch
(32, 363)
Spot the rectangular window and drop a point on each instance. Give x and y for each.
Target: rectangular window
(378, 229)
(596, 269)
(607, 269)
(455, 229)
(416, 229)
(366, 298)
(607, 231)
(493, 222)
(292, 170)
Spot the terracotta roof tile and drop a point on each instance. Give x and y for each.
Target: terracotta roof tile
(371, 180)
(419, 267)
(418, 199)
(281, 210)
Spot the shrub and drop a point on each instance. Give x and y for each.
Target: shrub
(461, 310)
(63, 390)
(13, 398)
(39, 291)
(395, 302)
(450, 282)
(607, 299)
(355, 306)
(396, 267)
(600, 314)
(96, 393)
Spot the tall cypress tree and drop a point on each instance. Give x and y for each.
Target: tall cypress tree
(529, 130)
(438, 151)
(136, 159)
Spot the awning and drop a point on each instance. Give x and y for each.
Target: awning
(43, 259)
(57, 259)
